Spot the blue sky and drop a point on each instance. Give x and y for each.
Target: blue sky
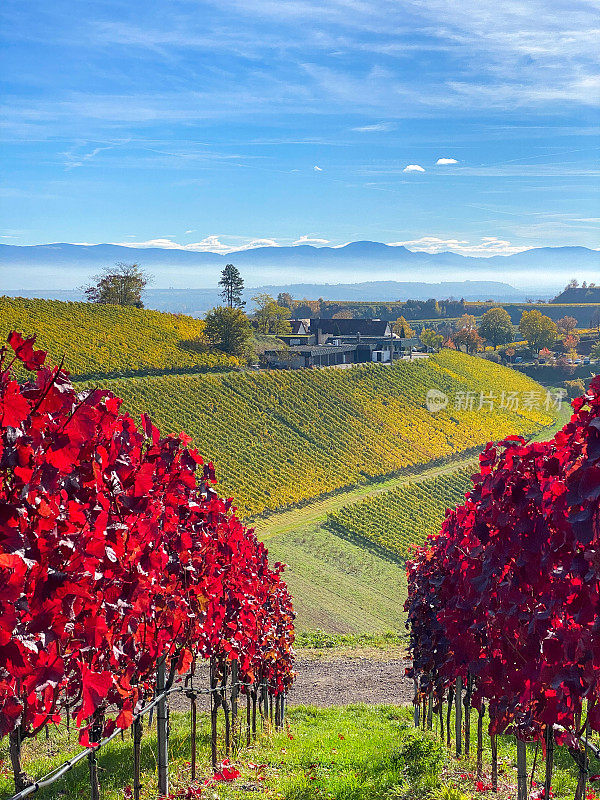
(220, 125)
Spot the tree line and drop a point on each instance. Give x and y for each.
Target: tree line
(229, 329)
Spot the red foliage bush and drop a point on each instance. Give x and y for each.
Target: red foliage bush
(509, 590)
(116, 551)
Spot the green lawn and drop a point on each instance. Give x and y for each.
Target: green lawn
(340, 753)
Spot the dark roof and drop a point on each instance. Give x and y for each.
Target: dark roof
(298, 326)
(349, 327)
(321, 349)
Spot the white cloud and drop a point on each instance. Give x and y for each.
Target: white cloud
(413, 168)
(210, 244)
(317, 169)
(487, 246)
(310, 240)
(187, 232)
(443, 161)
(379, 127)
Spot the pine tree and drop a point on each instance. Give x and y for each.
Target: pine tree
(233, 286)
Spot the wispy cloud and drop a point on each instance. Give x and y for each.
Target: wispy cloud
(210, 244)
(76, 158)
(379, 127)
(486, 247)
(310, 240)
(317, 169)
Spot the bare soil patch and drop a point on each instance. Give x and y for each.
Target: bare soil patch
(333, 679)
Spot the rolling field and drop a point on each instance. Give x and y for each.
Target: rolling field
(343, 586)
(282, 438)
(403, 517)
(294, 447)
(107, 340)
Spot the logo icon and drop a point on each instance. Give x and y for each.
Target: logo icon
(436, 400)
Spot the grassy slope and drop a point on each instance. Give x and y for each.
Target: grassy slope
(338, 586)
(103, 340)
(405, 516)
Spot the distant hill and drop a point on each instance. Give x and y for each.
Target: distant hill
(579, 294)
(279, 438)
(68, 266)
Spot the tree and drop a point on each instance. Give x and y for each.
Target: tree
(466, 321)
(538, 329)
(467, 338)
(270, 317)
(595, 351)
(233, 286)
(228, 329)
(121, 285)
(571, 341)
(431, 339)
(402, 328)
(496, 326)
(285, 299)
(566, 325)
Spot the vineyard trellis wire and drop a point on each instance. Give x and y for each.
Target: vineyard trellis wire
(271, 708)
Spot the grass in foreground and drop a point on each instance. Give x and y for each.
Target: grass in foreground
(345, 753)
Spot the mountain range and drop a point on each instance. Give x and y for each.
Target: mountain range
(392, 271)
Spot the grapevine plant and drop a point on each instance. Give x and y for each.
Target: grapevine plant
(505, 600)
(116, 552)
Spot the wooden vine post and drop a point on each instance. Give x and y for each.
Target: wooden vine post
(214, 710)
(248, 715)
(494, 747)
(430, 711)
(522, 793)
(468, 693)
(95, 736)
(254, 694)
(449, 714)
(137, 757)
(20, 777)
(458, 716)
(162, 730)
(416, 704)
(226, 708)
(480, 715)
(235, 693)
(193, 732)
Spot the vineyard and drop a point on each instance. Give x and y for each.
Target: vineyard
(401, 518)
(120, 568)
(504, 604)
(111, 340)
(280, 438)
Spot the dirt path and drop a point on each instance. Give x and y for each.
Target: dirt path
(332, 680)
(340, 682)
